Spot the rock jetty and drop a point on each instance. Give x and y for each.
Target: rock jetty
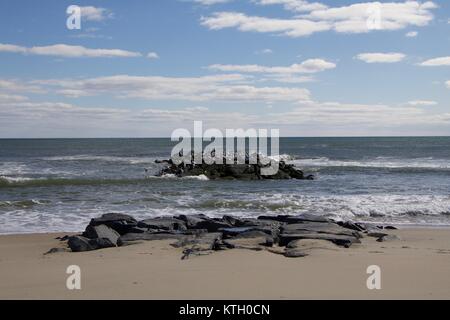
(236, 171)
(291, 236)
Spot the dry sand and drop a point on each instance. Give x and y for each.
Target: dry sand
(415, 267)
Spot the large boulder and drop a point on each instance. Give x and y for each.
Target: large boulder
(201, 242)
(163, 223)
(304, 217)
(122, 223)
(256, 243)
(203, 222)
(340, 240)
(150, 236)
(247, 232)
(352, 225)
(80, 243)
(192, 220)
(101, 231)
(318, 227)
(250, 222)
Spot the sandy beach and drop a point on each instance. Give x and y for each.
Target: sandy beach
(415, 267)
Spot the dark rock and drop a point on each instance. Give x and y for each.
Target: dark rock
(304, 247)
(122, 223)
(270, 241)
(193, 252)
(247, 222)
(246, 232)
(307, 245)
(245, 171)
(340, 240)
(305, 217)
(137, 230)
(150, 236)
(251, 243)
(101, 243)
(163, 223)
(294, 253)
(192, 220)
(203, 222)
(200, 242)
(101, 231)
(233, 221)
(56, 250)
(318, 227)
(388, 237)
(351, 225)
(375, 234)
(390, 228)
(80, 244)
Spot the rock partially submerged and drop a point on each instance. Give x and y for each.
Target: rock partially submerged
(235, 170)
(292, 236)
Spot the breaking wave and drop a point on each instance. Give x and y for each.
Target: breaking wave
(82, 157)
(379, 162)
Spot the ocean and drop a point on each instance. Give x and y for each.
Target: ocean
(49, 185)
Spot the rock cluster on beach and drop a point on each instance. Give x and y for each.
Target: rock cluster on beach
(292, 236)
(245, 171)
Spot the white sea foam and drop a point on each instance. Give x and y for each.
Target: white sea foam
(379, 162)
(200, 177)
(383, 208)
(14, 179)
(85, 157)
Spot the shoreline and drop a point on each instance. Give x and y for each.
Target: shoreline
(415, 267)
(397, 225)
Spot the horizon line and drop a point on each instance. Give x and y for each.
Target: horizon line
(329, 137)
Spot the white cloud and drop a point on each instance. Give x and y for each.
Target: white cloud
(288, 27)
(292, 79)
(11, 98)
(307, 118)
(17, 86)
(335, 114)
(308, 66)
(295, 5)
(422, 103)
(152, 55)
(90, 13)
(12, 48)
(68, 51)
(448, 84)
(227, 87)
(411, 34)
(381, 57)
(436, 62)
(319, 18)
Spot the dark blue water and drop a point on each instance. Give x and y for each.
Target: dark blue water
(58, 185)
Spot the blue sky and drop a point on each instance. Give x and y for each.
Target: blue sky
(143, 68)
